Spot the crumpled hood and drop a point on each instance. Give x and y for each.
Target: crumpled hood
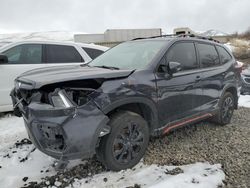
(43, 76)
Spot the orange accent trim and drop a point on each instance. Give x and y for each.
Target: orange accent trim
(167, 129)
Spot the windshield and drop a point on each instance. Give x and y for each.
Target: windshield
(129, 55)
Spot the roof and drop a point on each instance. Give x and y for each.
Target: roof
(56, 43)
(180, 37)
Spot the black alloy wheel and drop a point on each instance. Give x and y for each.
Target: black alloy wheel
(226, 109)
(127, 142)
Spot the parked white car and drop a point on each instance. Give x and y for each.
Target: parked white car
(26, 55)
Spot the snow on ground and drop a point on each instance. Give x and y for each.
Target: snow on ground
(213, 32)
(19, 159)
(244, 101)
(230, 46)
(40, 36)
(11, 129)
(14, 164)
(198, 175)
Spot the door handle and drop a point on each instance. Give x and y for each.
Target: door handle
(198, 78)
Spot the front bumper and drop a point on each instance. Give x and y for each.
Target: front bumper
(64, 133)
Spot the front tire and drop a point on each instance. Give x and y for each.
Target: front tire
(226, 109)
(127, 142)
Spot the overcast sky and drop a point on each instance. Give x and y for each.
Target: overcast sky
(95, 16)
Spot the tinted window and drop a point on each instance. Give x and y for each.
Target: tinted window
(183, 53)
(25, 54)
(224, 55)
(62, 54)
(93, 53)
(208, 55)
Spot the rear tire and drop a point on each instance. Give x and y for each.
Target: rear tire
(127, 142)
(226, 109)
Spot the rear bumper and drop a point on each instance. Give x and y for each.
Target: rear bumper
(65, 133)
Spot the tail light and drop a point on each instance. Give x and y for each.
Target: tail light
(239, 66)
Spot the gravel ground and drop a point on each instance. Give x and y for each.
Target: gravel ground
(228, 145)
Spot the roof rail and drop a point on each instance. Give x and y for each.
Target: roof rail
(180, 35)
(157, 36)
(198, 37)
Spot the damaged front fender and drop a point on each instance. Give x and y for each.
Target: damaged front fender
(66, 133)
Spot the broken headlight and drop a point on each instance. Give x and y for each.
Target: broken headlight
(59, 99)
(79, 95)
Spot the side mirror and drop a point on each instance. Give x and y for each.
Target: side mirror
(3, 59)
(174, 67)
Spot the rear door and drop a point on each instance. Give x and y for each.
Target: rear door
(212, 73)
(62, 55)
(179, 95)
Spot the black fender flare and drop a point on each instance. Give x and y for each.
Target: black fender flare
(139, 100)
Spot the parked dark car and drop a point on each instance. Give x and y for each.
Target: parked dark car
(245, 81)
(141, 88)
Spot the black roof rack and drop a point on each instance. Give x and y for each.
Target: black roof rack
(157, 36)
(198, 37)
(180, 35)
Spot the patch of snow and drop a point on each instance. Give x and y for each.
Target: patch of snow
(11, 129)
(39, 36)
(244, 101)
(230, 46)
(12, 170)
(213, 32)
(198, 175)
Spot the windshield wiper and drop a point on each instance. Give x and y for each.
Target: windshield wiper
(107, 67)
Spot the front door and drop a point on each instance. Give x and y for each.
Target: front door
(179, 94)
(21, 58)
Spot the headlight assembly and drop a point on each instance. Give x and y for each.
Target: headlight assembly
(59, 99)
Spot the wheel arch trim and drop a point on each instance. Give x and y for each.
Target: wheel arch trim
(135, 100)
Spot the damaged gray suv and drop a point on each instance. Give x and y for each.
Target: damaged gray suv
(111, 106)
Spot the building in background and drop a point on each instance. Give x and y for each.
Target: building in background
(215, 34)
(112, 37)
(183, 30)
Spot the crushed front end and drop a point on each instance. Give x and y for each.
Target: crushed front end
(63, 122)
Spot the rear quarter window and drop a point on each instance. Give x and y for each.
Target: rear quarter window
(225, 57)
(92, 53)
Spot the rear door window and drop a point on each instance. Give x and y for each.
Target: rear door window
(62, 54)
(93, 53)
(183, 53)
(208, 55)
(24, 54)
(224, 55)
